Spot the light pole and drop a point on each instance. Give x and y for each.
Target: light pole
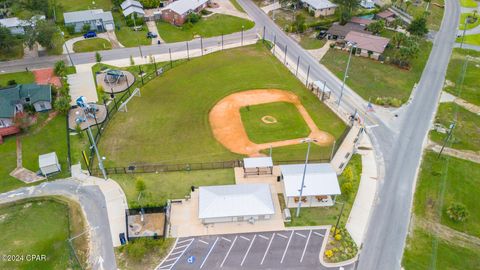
(66, 48)
(243, 27)
(81, 102)
(308, 141)
(352, 45)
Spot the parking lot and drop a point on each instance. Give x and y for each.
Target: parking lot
(291, 249)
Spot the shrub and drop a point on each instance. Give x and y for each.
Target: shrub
(347, 188)
(98, 57)
(11, 82)
(329, 253)
(140, 185)
(132, 62)
(338, 237)
(136, 250)
(70, 29)
(348, 173)
(62, 104)
(86, 28)
(78, 129)
(193, 17)
(457, 212)
(60, 68)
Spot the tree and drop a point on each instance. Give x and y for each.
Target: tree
(418, 26)
(457, 212)
(7, 39)
(86, 27)
(396, 23)
(407, 51)
(376, 27)
(62, 104)
(193, 17)
(140, 186)
(98, 57)
(47, 33)
(398, 39)
(407, 5)
(346, 8)
(300, 23)
(60, 68)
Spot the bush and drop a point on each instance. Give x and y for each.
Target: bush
(329, 253)
(140, 185)
(457, 212)
(135, 21)
(11, 82)
(338, 237)
(98, 57)
(347, 188)
(62, 104)
(193, 17)
(136, 250)
(86, 28)
(60, 68)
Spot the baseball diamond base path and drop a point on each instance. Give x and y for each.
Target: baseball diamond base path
(228, 129)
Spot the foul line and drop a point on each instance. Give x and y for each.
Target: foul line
(208, 254)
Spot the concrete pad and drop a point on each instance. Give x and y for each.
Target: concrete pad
(82, 84)
(446, 97)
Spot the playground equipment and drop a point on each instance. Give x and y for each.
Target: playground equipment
(123, 106)
(90, 110)
(114, 76)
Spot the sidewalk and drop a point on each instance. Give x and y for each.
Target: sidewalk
(226, 7)
(115, 199)
(82, 84)
(358, 220)
(274, 6)
(346, 149)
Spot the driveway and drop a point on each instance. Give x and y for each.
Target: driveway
(110, 36)
(82, 84)
(226, 7)
(152, 27)
(286, 249)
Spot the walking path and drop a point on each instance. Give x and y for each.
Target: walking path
(320, 53)
(226, 7)
(358, 220)
(463, 154)
(447, 97)
(468, 46)
(20, 172)
(82, 84)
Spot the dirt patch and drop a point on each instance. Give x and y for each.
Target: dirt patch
(267, 119)
(228, 128)
(46, 76)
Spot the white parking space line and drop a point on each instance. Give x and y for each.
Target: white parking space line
(203, 242)
(177, 258)
(171, 259)
(299, 234)
(182, 246)
(306, 244)
(183, 241)
(244, 238)
(228, 252)
(264, 237)
(268, 248)
(286, 248)
(175, 253)
(281, 235)
(208, 254)
(226, 239)
(248, 250)
(319, 234)
(166, 266)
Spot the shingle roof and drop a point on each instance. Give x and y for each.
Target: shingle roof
(342, 30)
(368, 42)
(128, 3)
(235, 200)
(319, 4)
(385, 14)
(9, 97)
(183, 6)
(12, 22)
(361, 21)
(87, 15)
(132, 9)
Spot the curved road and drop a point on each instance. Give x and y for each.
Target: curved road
(93, 205)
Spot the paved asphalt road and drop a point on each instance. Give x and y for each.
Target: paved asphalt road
(295, 249)
(93, 204)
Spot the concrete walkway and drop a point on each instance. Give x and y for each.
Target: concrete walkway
(115, 199)
(346, 150)
(462, 154)
(320, 53)
(20, 172)
(226, 7)
(274, 6)
(468, 46)
(359, 218)
(447, 97)
(82, 84)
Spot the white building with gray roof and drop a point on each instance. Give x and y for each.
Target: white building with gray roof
(98, 20)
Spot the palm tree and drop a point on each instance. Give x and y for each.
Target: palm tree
(407, 4)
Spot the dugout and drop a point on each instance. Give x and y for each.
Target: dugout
(257, 166)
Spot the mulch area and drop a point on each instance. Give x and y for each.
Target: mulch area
(46, 76)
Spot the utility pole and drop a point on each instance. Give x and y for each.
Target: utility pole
(450, 131)
(346, 73)
(243, 27)
(308, 141)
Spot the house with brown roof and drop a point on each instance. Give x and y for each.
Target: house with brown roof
(338, 31)
(367, 45)
(362, 21)
(386, 15)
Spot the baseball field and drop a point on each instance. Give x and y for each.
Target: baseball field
(179, 115)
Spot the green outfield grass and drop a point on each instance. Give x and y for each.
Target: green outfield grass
(41, 226)
(214, 25)
(169, 122)
(289, 123)
(92, 45)
(466, 130)
(469, 91)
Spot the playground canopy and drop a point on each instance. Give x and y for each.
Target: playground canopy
(48, 163)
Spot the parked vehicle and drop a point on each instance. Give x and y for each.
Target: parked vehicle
(151, 35)
(90, 34)
(322, 34)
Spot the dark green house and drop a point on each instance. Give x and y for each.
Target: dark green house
(13, 99)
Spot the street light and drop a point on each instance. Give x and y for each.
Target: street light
(66, 48)
(308, 141)
(352, 45)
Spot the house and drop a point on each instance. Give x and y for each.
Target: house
(177, 12)
(320, 7)
(96, 18)
(130, 7)
(13, 99)
(367, 45)
(320, 185)
(361, 21)
(235, 203)
(368, 4)
(338, 31)
(17, 26)
(386, 15)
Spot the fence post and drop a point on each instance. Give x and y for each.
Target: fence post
(170, 53)
(274, 43)
(263, 35)
(188, 52)
(285, 59)
(298, 62)
(155, 64)
(308, 73)
(106, 108)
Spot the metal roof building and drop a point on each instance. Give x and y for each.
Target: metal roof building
(13, 98)
(185, 6)
(132, 6)
(231, 203)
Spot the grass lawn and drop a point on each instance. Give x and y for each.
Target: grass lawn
(16, 52)
(237, 5)
(170, 121)
(470, 39)
(214, 25)
(470, 90)
(462, 184)
(372, 79)
(419, 254)
(290, 124)
(313, 216)
(311, 43)
(172, 185)
(467, 127)
(470, 25)
(76, 5)
(91, 45)
(41, 226)
(9, 163)
(19, 77)
(126, 35)
(143, 253)
(468, 3)
(436, 13)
